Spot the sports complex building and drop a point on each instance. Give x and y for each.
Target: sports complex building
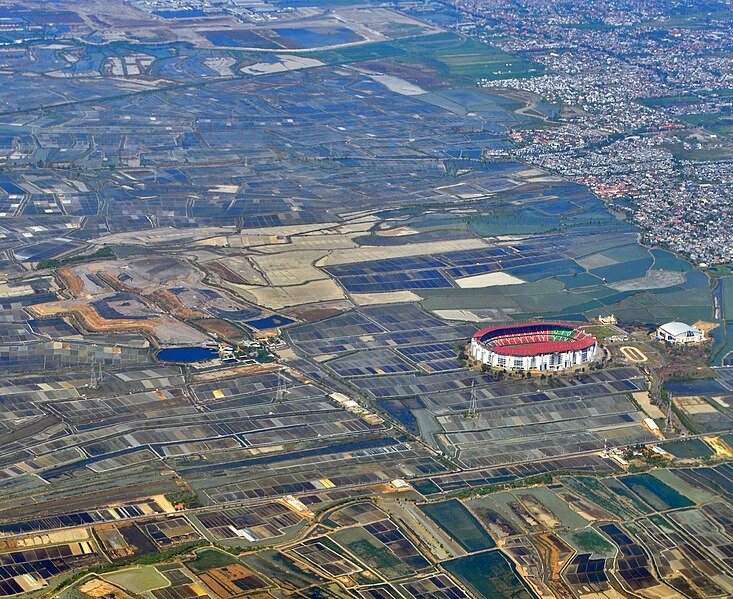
(549, 346)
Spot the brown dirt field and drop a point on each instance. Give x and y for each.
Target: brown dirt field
(705, 326)
(721, 449)
(222, 580)
(556, 553)
(115, 282)
(221, 328)
(220, 590)
(225, 273)
(313, 312)
(236, 371)
(92, 321)
(171, 303)
(102, 589)
(74, 283)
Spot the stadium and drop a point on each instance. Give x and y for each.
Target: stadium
(542, 346)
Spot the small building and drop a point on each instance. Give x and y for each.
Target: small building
(652, 427)
(679, 333)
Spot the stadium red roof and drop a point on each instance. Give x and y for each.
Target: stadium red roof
(532, 339)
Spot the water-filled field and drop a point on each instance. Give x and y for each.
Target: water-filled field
(692, 448)
(694, 387)
(656, 493)
(458, 522)
(490, 575)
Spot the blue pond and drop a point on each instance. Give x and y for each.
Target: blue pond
(187, 354)
(269, 322)
(180, 14)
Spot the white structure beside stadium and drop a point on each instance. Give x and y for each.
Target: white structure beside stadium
(542, 346)
(679, 333)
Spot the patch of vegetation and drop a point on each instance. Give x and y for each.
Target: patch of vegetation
(591, 488)
(455, 57)
(208, 559)
(369, 550)
(490, 574)
(701, 153)
(378, 557)
(590, 541)
(189, 500)
(264, 356)
(720, 270)
(476, 60)
(540, 479)
(101, 254)
(602, 332)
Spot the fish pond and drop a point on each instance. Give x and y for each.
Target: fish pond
(453, 517)
(188, 355)
(656, 493)
(490, 574)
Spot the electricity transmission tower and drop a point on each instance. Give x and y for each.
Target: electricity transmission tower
(282, 389)
(95, 377)
(668, 425)
(472, 412)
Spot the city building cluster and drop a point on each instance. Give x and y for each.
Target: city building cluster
(642, 101)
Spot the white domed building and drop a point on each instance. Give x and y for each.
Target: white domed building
(679, 333)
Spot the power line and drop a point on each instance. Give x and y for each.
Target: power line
(668, 426)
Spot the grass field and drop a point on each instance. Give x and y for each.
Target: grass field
(461, 60)
(717, 122)
(706, 152)
(602, 332)
(210, 558)
(721, 270)
(589, 540)
(372, 552)
(138, 580)
(473, 59)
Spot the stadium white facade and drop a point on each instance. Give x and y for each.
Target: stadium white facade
(543, 346)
